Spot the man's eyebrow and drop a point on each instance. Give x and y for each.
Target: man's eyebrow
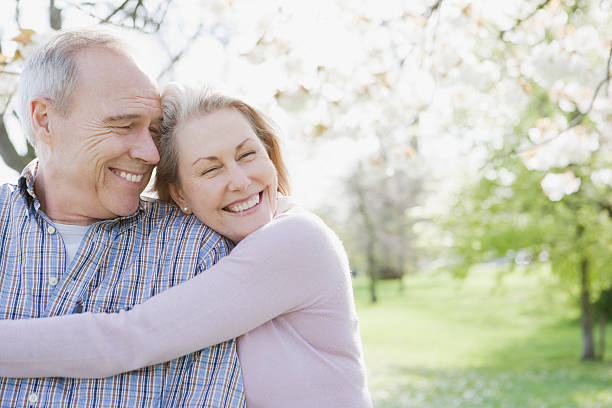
(119, 118)
(215, 157)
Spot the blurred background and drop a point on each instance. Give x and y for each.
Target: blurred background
(460, 149)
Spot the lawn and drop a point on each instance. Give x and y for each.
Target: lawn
(478, 342)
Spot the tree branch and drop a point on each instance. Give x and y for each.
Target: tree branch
(18, 14)
(163, 16)
(55, 16)
(520, 21)
(575, 122)
(433, 9)
(121, 7)
(133, 15)
(180, 54)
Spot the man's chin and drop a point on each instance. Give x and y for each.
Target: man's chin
(122, 209)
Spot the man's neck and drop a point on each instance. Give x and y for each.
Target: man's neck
(60, 204)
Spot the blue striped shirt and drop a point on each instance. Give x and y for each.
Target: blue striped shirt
(120, 263)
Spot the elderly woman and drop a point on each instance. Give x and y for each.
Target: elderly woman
(284, 290)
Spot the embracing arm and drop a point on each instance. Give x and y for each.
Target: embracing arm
(279, 268)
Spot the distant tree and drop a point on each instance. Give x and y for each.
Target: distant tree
(383, 191)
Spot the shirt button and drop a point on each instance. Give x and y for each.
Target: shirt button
(51, 229)
(33, 398)
(53, 281)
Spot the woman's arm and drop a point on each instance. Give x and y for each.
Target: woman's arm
(284, 266)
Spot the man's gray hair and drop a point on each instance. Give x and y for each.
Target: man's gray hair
(51, 72)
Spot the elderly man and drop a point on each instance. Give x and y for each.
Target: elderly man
(75, 235)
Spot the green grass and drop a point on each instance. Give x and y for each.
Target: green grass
(478, 342)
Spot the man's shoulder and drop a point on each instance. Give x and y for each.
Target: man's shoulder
(164, 216)
(9, 193)
(8, 189)
(168, 227)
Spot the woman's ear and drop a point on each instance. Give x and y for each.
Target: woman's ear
(39, 117)
(177, 196)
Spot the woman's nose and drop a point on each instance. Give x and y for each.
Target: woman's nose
(239, 180)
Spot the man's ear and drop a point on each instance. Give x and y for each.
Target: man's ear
(39, 115)
(177, 195)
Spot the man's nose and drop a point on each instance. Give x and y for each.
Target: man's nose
(143, 147)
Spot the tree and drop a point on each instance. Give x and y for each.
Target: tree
(504, 217)
(383, 190)
(529, 85)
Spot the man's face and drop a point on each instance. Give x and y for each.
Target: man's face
(103, 152)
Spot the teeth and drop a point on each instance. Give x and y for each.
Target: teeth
(131, 177)
(246, 205)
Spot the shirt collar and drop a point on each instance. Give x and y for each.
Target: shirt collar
(26, 184)
(26, 187)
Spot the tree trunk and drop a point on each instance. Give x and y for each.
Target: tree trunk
(602, 334)
(55, 16)
(588, 347)
(8, 152)
(371, 236)
(372, 270)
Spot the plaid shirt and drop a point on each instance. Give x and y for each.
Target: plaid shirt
(119, 263)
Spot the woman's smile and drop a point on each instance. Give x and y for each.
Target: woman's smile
(246, 206)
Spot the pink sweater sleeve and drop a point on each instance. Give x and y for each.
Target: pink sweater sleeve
(281, 267)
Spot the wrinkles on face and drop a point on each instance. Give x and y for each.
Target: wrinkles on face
(146, 103)
(106, 146)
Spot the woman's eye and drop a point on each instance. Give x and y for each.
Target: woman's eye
(210, 171)
(246, 154)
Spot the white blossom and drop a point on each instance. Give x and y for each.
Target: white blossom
(573, 146)
(602, 177)
(558, 185)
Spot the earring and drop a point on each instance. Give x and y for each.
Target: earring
(186, 209)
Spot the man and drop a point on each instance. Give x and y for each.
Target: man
(75, 235)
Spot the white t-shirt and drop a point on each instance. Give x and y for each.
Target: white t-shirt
(72, 236)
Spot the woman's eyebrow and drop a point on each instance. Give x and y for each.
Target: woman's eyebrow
(242, 143)
(212, 158)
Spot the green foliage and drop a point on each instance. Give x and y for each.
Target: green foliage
(519, 224)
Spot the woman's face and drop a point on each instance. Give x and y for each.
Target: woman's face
(226, 177)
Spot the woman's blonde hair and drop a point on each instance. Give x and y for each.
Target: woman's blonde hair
(181, 103)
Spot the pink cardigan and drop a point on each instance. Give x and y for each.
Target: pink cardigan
(285, 290)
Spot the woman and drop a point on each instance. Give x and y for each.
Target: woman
(285, 288)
